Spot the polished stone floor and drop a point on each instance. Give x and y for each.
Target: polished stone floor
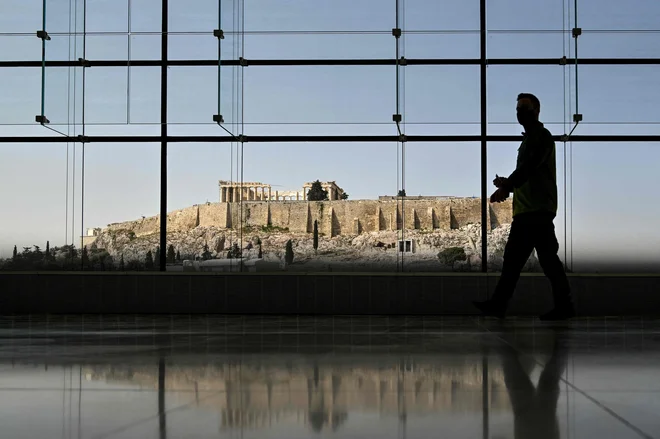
(362, 377)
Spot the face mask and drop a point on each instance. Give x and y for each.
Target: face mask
(525, 117)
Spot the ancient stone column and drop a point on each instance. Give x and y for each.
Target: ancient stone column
(277, 195)
(269, 193)
(263, 193)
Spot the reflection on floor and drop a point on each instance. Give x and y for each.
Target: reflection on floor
(269, 377)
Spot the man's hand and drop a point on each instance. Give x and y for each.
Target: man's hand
(499, 195)
(500, 181)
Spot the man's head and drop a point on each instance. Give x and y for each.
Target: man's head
(528, 108)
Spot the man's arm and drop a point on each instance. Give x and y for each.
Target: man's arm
(537, 152)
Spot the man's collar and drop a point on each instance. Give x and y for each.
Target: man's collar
(534, 128)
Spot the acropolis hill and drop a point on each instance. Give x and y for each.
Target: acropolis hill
(335, 217)
(254, 210)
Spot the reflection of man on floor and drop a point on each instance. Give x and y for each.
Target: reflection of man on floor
(534, 409)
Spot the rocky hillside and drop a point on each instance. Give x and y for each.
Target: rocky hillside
(368, 251)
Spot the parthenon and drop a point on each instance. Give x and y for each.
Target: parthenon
(233, 192)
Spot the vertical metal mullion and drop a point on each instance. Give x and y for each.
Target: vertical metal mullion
(484, 133)
(163, 134)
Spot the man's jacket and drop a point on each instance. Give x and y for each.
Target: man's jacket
(534, 182)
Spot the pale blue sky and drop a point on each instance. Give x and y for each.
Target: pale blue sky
(614, 185)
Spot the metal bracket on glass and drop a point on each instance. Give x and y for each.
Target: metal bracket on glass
(402, 61)
(563, 138)
(396, 118)
(563, 61)
(241, 138)
(577, 31)
(40, 118)
(396, 32)
(217, 118)
(84, 62)
(43, 35)
(218, 33)
(403, 138)
(577, 118)
(82, 139)
(242, 61)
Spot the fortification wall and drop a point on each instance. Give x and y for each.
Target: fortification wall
(342, 217)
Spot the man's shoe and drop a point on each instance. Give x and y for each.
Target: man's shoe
(490, 308)
(563, 313)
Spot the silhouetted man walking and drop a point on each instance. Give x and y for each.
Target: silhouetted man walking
(534, 187)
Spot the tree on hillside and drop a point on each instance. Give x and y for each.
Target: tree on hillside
(47, 250)
(121, 263)
(15, 255)
(157, 257)
(316, 235)
(234, 252)
(206, 254)
(178, 256)
(171, 256)
(316, 192)
(344, 196)
(288, 253)
(402, 193)
(85, 257)
(149, 261)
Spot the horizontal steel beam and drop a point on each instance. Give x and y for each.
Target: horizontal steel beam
(335, 62)
(329, 139)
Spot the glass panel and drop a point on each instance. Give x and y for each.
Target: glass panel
(529, 44)
(32, 200)
(146, 16)
(319, 46)
(323, 94)
(200, 16)
(146, 47)
(619, 44)
(20, 89)
(444, 15)
(25, 16)
(629, 103)
(620, 235)
(132, 201)
(106, 95)
(610, 14)
(442, 207)
(545, 82)
(364, 15)
(440, 94)
(20, 48)
(107, 47)
(458, 45)
(193, 95)
(200, 47)
(64, 16)
(144, 95)
(107, 16)
(524, 15)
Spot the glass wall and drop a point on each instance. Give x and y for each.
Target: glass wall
(318, 136)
